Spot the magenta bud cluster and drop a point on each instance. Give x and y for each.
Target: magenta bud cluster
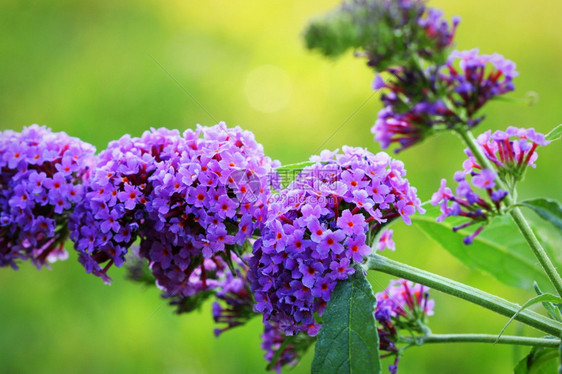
(510, 151)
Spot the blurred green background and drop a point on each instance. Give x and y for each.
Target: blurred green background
(99, 69)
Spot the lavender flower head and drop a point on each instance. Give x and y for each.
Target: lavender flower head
(40, 182)
(108, 221)
(321, 225)
(205, 203)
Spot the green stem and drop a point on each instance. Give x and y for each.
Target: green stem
(481, 338)
(537, 248)
(516, 214)
(474, 295)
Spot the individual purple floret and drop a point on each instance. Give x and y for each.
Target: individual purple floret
(108, 221)
(511, 151)
(318, 227)
(204, 203)
(385, 241)
(40, 182)
(474, 79)
(404, 305)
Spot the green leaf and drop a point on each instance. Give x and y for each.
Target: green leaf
(553, 312)
(544, 298)
(539, 361)
(555, 134)
(348, 341)
(547, 209)
(500, 249)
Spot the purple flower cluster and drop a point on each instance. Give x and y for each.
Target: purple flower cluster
(40, 182)
(204, 203)
(188, 198)
(418, 102)
(474, 79)
(318, 227)
(107, 222)
(402, 305)
(411, 126)
(438, 29)
(511, 151)
(468, 203)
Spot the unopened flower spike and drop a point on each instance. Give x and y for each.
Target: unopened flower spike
(387, 32)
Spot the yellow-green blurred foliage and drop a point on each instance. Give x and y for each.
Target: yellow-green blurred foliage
(98, 69)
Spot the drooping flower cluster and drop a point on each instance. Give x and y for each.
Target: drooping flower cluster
(205, 203)
(272, 340)
(294, 347)
(402, 306)
(511, 151)
(389, 32)
(107, 222)
(234, 305)
(318, 227)
(40, 182)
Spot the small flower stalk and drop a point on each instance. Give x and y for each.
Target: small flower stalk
(403, 306)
